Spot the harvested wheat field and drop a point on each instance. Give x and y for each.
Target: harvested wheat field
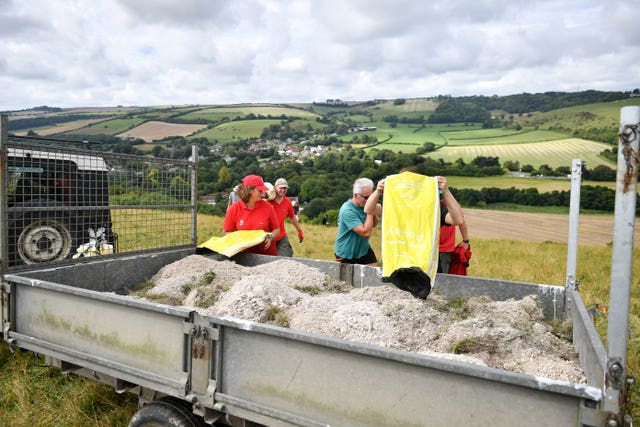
(154, 131)
(593, 230)
(510, 335)
(65, 127)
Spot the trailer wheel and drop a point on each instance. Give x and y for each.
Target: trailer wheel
(166, 412)
(43, 240)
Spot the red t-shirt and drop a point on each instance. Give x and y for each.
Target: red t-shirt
(261, 217)
(447, 238)
(283, 210)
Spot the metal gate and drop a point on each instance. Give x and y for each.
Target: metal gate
(62, 204)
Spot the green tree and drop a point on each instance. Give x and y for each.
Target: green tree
(314, 187)
(224, 175)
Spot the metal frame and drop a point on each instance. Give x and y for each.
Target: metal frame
(151, 207)
(621, 264)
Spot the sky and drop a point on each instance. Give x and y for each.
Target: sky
(100, 53)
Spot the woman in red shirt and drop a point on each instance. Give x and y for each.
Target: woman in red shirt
(251, 212)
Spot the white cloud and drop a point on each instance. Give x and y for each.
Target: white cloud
(146, 52)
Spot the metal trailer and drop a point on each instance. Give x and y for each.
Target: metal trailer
(194, 368)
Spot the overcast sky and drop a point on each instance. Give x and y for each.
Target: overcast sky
(80, 53)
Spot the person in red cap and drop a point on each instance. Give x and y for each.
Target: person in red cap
(251, 212)
(283, 207)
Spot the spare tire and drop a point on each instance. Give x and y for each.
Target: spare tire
(44, 240)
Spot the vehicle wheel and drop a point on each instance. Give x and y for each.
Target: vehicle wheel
(43, 240)
(167, 412)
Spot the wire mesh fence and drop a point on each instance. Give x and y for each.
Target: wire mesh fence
(64, 204)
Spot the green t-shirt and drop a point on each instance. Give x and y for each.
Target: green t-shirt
(349, 245)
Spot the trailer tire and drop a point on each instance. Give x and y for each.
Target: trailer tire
(166, 412)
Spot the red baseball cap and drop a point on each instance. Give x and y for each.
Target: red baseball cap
(254, 181)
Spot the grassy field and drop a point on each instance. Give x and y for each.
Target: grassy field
(233, 111)
(599, 115)
(32, 395)
(412, 108)
(408, 134)
(110, 127)
(499, 137)
(534, 147)
(230, 132)
(552, 153)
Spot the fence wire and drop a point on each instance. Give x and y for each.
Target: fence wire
(66, 204)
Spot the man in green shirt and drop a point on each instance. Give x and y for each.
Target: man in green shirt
(355, 226)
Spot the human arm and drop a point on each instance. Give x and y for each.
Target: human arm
(454, 216)
(229, 224)
(372, 202)
(364, 229)
(298, 227)
(464, 232)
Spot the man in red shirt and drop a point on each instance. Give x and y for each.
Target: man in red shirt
(448, 243)
(283, 208)
(251, 212)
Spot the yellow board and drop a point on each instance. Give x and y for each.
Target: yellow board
(234, 242)
(410, 223)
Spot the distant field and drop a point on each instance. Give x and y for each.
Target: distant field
(232, 131)
(552, 153)
(63, 127)
(499, 136)
(233, 111)
(544, 185)
(153, 130)
(109, 127)
(411, 134)
(412, 107)
(599, 115)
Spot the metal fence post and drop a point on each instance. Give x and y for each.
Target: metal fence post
(574, 214)
(4, 176)
(622, 259)
(194, 195)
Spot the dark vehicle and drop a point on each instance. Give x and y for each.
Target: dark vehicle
(57, 202)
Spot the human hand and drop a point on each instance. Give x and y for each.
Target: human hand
(268, 239)
(380, 186)
(442, 183)
(300, 235)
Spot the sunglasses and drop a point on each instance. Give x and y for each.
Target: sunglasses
(363, 196)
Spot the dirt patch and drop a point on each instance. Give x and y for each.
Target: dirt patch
(153, 130)
(510, 335)
(593, 230)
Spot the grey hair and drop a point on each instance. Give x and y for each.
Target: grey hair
(362, 183)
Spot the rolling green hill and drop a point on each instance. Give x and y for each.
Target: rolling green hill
(599, 115)
(536, 138)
